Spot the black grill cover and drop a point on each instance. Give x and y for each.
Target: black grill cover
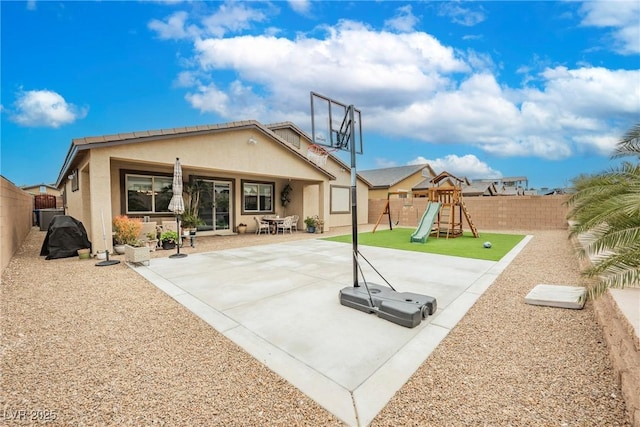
(64, 237)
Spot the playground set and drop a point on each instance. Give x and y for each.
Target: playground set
(444, 213)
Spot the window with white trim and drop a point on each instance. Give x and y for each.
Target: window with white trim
(340, 199)
(257, 197)
(148, 194)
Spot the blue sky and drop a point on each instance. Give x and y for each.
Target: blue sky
(479, 89)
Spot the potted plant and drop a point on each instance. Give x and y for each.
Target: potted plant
(84, 253)
(320, 225)
(190, 221)
(169, 239)
(136, 251)
(310, 222)
(152, 241)
(242, 228)
(190, 218)
(126, 231)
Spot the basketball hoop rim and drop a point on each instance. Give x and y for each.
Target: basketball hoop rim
(320, 149)
(318, 154)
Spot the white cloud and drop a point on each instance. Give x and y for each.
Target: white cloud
(410, 85)
(187, 79)
(44, 108)
(173, 28)
(468, 166)
(404, 21)
(571, 109)
(623, 17)
(462, 15)
(238, 102)
(231, 17)
(209, 99)
(592, 90)
(401, 67)
(300, 6)
(602, 143)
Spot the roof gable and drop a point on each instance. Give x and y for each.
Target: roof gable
(479, 189)
(444, 177)
(281, 129)
(387, 177)
(37, 186)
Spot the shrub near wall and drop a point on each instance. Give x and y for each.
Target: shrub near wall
(16, 212)
(487, 213)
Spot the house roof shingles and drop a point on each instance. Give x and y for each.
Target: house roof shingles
(384, 178)
(139, 136)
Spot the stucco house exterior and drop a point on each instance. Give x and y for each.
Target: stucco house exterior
(395, 179)
(241, 168)
(41, 189)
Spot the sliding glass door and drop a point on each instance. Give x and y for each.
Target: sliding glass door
(215, 205)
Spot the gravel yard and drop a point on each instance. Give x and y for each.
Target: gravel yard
(87, 345)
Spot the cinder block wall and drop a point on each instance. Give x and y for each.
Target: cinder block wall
(16, 212)
(487, 213)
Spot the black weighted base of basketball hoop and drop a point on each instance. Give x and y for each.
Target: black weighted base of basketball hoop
(403, 308)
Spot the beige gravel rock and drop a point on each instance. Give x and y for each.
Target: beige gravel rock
(102, 346)
(508, 363)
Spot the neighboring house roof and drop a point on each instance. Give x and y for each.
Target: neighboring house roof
(552, 191)
(479, 189)
(509, 191)
(79, 145)
(514, 178)
(425, 184)
(37, 186)
(387, 177)
(504, 180)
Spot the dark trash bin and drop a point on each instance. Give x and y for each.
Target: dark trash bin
(46, 215)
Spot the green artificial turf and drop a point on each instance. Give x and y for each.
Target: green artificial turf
(465, 246)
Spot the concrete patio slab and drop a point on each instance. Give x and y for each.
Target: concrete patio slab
(280, 303)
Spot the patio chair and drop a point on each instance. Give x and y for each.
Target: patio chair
(285, 225)
(294, 222)
(261, 225)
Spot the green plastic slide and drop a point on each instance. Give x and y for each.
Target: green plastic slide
(426, 223)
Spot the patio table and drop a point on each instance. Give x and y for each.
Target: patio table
(273, 223)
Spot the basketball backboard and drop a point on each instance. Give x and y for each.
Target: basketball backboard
(331, 124)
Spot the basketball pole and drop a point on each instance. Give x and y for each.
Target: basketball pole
(403, 308)
(354, 198)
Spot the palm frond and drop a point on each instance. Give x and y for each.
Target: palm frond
(629, 145)
(605, 211)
